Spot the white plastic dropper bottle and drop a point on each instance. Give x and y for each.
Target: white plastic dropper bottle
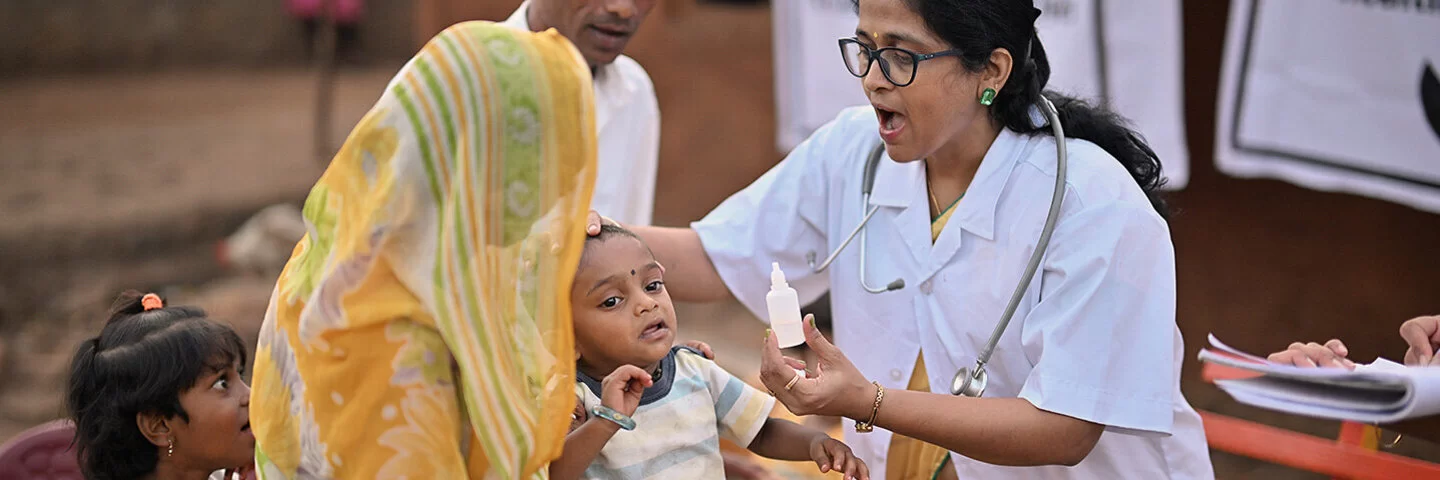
(784, 306)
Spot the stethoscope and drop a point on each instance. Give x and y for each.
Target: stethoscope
(969, 382)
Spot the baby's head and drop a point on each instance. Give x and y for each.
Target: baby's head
(622, 312)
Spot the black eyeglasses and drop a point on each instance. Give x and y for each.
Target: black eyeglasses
(897, 64)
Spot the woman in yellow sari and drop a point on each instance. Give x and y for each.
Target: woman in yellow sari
(422, 328)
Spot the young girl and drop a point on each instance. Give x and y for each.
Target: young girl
(674, 403)
(158, 395)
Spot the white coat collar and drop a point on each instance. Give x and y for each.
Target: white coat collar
(903, 185)
(976, 212)
(895, 182)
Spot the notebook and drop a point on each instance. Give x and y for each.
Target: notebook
(1378, 392)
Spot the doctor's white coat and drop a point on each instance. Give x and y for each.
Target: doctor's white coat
(1095, 337)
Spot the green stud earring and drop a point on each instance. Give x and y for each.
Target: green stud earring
(987, 97)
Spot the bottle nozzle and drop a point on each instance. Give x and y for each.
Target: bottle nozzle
(777, 277)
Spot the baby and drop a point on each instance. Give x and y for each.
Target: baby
(673, 404)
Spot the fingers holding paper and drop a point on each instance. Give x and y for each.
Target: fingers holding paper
(1330, 355)
(1422, 339)
(1422, 334)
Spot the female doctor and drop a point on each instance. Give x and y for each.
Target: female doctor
(1085, 382)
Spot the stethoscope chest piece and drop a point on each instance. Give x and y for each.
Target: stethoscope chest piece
(970, 383)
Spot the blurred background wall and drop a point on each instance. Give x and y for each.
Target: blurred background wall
(43, 36)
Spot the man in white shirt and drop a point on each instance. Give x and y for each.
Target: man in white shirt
(627, 116)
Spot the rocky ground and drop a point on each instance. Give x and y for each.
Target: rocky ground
(127, 181)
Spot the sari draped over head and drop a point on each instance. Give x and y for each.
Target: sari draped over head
(421, 329)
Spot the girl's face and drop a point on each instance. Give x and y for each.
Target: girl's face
(218, 433)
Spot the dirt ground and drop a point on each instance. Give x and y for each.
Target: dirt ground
(115, 181)
(126, 181)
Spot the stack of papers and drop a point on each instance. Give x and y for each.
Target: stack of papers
(1380, 392)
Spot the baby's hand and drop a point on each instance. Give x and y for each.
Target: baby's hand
(578, 416)
(621, 390)
(831, 454)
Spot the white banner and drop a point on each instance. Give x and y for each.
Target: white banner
(1335, 95)
(1126, 52)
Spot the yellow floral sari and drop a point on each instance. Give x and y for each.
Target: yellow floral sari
(422, 328)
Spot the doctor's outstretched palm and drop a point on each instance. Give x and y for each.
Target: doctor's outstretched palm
(832, 386)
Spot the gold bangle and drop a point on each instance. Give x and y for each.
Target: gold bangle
(869, 425)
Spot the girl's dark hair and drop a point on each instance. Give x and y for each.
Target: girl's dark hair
(140, 363)
(978, 27)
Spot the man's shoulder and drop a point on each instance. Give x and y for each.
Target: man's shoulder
(630, 71)
(517, 18)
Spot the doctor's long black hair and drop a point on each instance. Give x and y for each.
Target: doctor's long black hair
(978, 27)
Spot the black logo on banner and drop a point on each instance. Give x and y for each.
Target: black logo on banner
(1408, 6)
(1429, 104)
(1430, 96)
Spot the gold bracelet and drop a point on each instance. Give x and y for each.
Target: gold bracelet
(869, 425)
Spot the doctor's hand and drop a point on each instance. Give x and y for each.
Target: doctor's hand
(595, 220)
(1423, 336)
(832, 386)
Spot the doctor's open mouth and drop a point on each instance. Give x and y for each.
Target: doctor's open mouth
(892, 123)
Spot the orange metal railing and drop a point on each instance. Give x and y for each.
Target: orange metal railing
(1352, 456)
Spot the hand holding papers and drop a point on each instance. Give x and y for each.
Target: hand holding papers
(1380, 392)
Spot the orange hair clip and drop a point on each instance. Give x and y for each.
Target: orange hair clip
(151, 301)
